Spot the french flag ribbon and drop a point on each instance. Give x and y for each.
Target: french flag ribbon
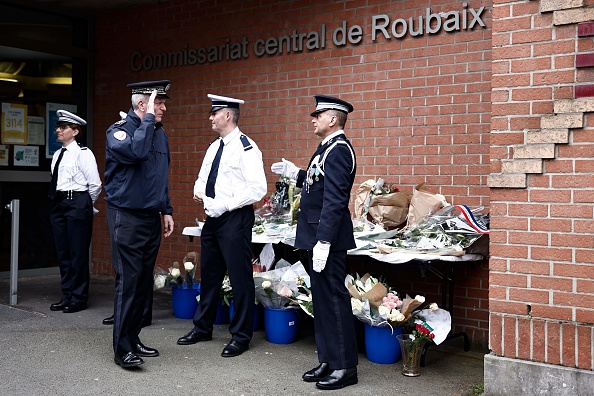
(467, 213)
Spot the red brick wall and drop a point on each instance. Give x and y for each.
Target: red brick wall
(542, 266)
(422, 104)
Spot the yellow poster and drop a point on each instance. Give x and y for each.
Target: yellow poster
(14, 123)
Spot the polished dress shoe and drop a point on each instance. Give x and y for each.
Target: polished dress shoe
(316, 374)
(193, 337)
(108, 321)
(58, 306)
(74, 307)
(338, 379)
(234, 348)
(128, 360)
(142, 350)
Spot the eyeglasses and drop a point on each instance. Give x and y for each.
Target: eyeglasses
(62, 127)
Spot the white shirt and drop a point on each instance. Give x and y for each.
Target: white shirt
(78, 171)
(241, 180)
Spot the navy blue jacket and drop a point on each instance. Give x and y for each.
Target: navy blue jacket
(324, 208)
(137, 165)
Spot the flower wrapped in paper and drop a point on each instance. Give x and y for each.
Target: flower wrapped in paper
(383, 202)
(283, 286)
(174, 276)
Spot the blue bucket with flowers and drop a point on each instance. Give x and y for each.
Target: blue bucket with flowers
(183, 300)
(281, 325)
(381, 344)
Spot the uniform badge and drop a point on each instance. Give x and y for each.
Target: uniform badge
(120, 135)
(246, 143)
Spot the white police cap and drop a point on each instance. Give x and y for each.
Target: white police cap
(325, 102)
(222, 102)
(66, 117)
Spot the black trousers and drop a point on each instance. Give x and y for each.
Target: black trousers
(72, 227)
(135, 240)
(334, 323)
(227, 246)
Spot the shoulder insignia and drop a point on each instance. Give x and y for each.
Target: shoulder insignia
(120, 135)
(81, 146)
(120, 123)
(246, 143)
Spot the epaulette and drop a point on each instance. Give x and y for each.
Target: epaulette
(81, 146)
(246, 143)
(120, 123)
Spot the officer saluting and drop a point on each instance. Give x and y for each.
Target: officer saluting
(138, 207)
(74, 188)
(231, 179)
(325, 230)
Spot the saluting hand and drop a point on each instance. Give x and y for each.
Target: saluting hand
(150, 106)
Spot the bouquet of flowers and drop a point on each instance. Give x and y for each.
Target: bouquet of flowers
(226, 292)
(174, 276)
(303, 296)
(284, 286)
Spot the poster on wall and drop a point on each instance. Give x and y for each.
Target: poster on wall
(36, 130)
(26, 156)
(14, 123)
(3, 155)
(52, 144)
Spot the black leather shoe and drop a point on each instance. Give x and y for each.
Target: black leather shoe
(128, 360)
(338, 379)
(193, 337)
(108, 321)
(59, 306)
(142, 350)
(74, 307)
(316, 374)
(234, 348)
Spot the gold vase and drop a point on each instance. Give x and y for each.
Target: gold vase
(411, 354)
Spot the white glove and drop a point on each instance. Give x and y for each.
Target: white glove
(320, 255)
(214, 207)
(285, 168)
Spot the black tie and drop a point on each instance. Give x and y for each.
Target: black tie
(54, 182)
(214, 170)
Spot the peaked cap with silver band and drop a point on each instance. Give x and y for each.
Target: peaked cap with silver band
(147, 88)
(325, 102)
(222, 102)
(66, 117)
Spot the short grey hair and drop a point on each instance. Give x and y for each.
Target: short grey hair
(137, 98)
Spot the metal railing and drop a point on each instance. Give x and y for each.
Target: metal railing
(14, 207)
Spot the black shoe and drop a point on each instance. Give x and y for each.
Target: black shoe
(58, 306)
(128, 360)
(193, 337)
(142, 350)
(108, 321)
(74, 307)
(338, 379)
(234, 348)
(316, 374)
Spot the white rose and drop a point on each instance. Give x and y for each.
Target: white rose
(266, 284)
(398, 317)
(356, 306)
(188, 266)
(433, 306)
(420, 299)
(383, 311)
(159, 282)
(175, 272)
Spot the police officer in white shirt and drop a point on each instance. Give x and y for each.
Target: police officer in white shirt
(73, 190)
(230, 181)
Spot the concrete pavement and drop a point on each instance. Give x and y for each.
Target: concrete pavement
(53, 353)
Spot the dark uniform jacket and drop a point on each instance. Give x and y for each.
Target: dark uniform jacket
(137, 165)
(324, 208)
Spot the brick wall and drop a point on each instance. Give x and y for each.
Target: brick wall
(422, 104)
(541, 268)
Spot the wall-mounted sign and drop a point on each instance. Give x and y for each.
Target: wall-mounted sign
(14, 123)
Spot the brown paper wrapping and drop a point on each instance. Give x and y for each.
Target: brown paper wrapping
(375, 295)
(388, 210)
(422, 204)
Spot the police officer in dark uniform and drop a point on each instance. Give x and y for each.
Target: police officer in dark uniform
(74, 188)
(138, 209)
(325, 230)
(230, 180)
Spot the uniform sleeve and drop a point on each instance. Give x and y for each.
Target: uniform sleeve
(134, 147)
(91, 173)
(252, 169)
(337, 168)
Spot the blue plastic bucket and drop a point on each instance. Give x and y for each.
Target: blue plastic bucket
(281, 325)
(381, 344)
(184, 301)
